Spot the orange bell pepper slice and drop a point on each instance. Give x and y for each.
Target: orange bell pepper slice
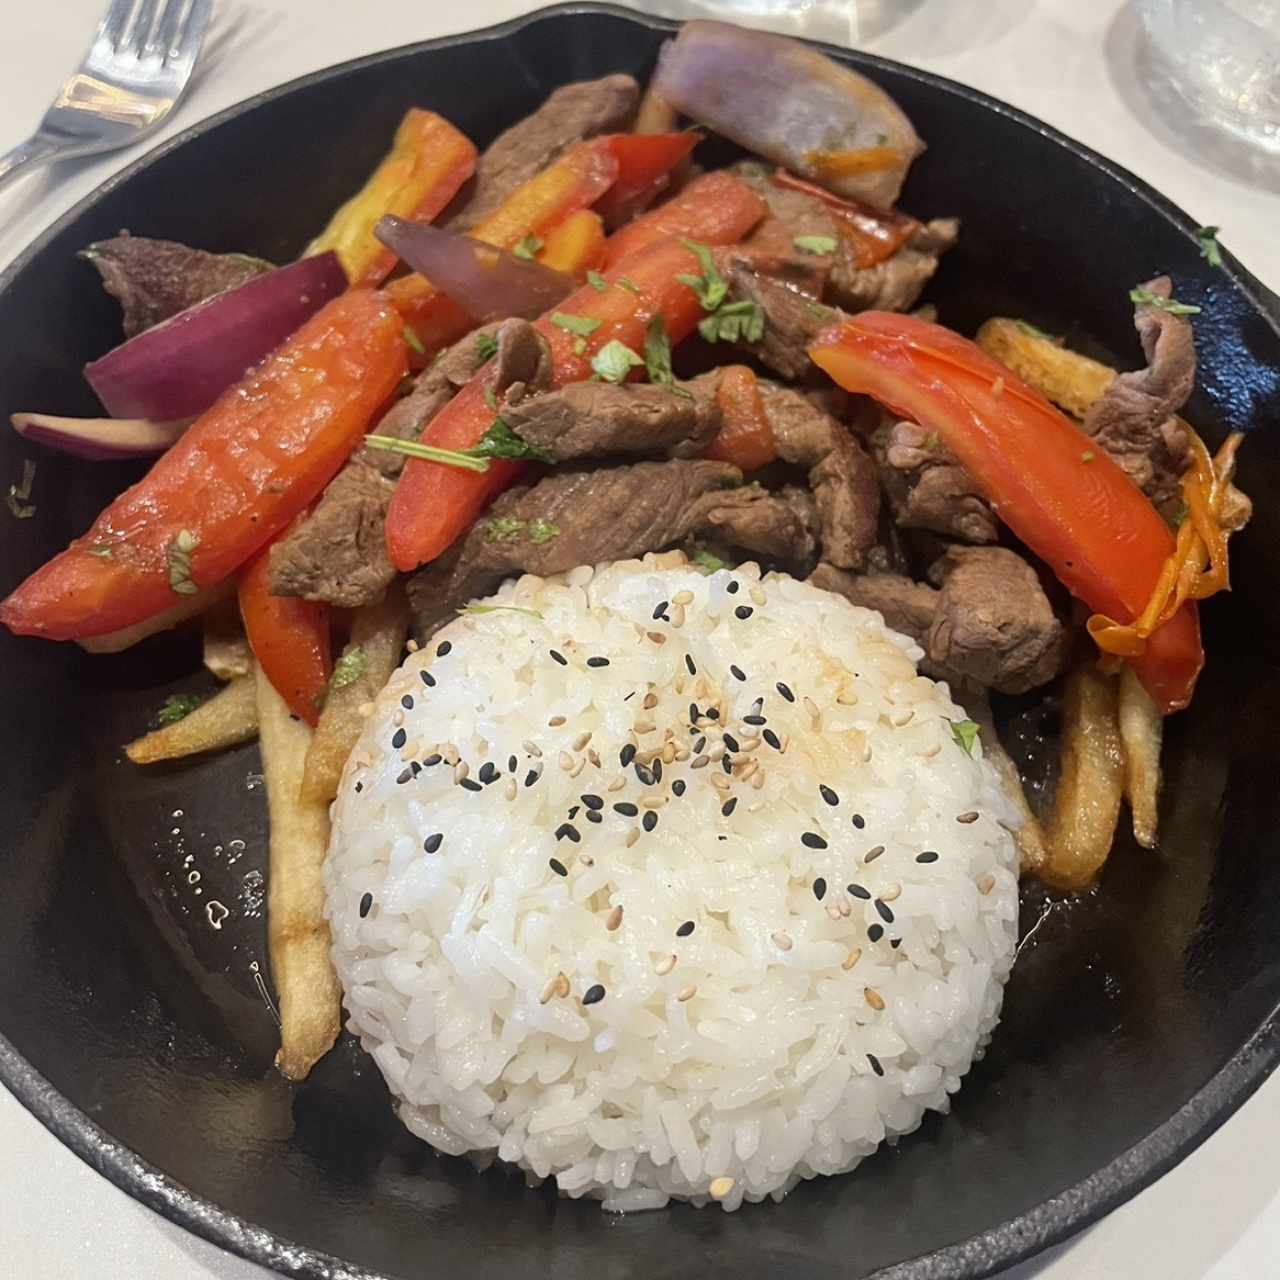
(1071, 504)
(289, 639)
(428, 162)
(576, 245)
(240, 473)
(745, 438)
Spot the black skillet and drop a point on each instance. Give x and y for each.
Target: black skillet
(1136, 1019)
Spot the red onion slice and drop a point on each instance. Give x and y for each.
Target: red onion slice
(177, 369)
(99, 439)
(793, 106)
(487, 283)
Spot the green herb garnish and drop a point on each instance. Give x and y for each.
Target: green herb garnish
(178, 706)
(19, 493)
(1033, 331)
(527, 248)
(710, 286)
(414, 341)
(1178, 515)
(933, 440)
(502, 529)
(501, 442)
(626, 282)
(614, 361)
(734, 322)
(348, 668)
(541, 531)
(818, 245)
(657, 352)
(820, 312)
(583, 326)
(486, 346)
(499, 608)
(1209, 249)
(490, 398)
(964, 733)
(103, 552)
(414, 449)
(179, 557)
(597, 281)
(1088, 455)
(705, 560)
(1145, 298)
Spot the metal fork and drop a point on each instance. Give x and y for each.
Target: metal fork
(134, 74)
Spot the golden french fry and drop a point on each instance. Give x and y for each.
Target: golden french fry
(1087, 804)
(297, 933)
(1029, 837)
(377, 640)
(187, 607)
(226, 648)
(1070, 380)
(227, 719)
(656, 115)
(1141, 732)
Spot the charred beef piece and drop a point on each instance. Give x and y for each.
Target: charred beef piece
(155, 279)
(572, 113)
(793, 314)
(571, 517)
(338, 553)
(927, 488)
(596, 419)
(906, 606)
(841, 475)
(780, 527)
(1134, 419)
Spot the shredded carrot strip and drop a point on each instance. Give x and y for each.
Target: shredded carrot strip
(1198, 566)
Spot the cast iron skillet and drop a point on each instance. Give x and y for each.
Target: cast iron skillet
(1136, 1020)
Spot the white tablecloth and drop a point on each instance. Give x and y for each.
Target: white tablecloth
(1078, 64)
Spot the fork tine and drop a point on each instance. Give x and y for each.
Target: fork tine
(134, 39)
(167, 27)
(114, 21)
(191, 37)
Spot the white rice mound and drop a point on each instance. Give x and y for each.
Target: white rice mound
(793, 980)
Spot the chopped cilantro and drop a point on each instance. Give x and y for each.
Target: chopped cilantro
(625, 282)
(178, 706)
(1178, 515)
(498, 608)
(815, 244)
(819, 312)
(579, 346)
(541, 531)
(710, 286)
(490, 398)
(19, 493)
(597, 281)
(179, 557)
(414, 341)
(501, 442)
(882, 139)
(1032, 331)
(527, 248)
(965, 734)
(657, 352)
(1209, 250)
(1145, 298)
(933, 440)
(414, 449)
(1087, 456)
(103, 552)
(614, 361)
(705, 560)
(348, 668)
(583, 326)
(502, 529)
(486, 346)
(734, 322)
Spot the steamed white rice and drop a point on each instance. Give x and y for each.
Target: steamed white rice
(795, 978)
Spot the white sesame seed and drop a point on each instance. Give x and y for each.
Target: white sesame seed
(562, 985)
(873, 998)
(847, 698)
(900, 718)
(846, 908)
(614, 918)
(664, 966)
(581, 740)
(594, 756)
(549, 989)
(855, 954)
(833, 911)
(555, 722)
(699, 762)
(398, 718)
(586, 859)
(632, 836)
(716, 754)
(720, 782)
(669, 753)
(657, 637)
(749, 744)
(929, 752)
(687, 993)
(565, 760)
(757, 781)
(450, 754)
(720, 1187)
(617, 784)
(892, 892)
(644, 726)
(682, 753)
(365, 709)
(811, 707)
(749, 770)
(782, 940)
(510, 789)
(677, 615)
(578, 768)
(650, 700)
(460, 770)
(757, 595)
(653, 802)
(967, 818)
(986, 884)
(411, 644)
(682, 597)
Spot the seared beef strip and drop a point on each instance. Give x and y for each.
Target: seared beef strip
(841, 475)
(339, 552)
(779, 527)
(991, 624)
(596, 419)
(1134, 420)
(794, 316)
(572, 113)
(155, 279)
(927, 488)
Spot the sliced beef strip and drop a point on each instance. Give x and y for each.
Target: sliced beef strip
(596, 419)
(927, 488)
(571, 517)
(841, 475)
(1134, 419)
(793, 314)
(906, 606)
(572, 113)
(155, 279)
(780, 527)
(338, 553)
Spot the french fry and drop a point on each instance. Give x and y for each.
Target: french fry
(1072, 381)
(377, 640)
(1091, 785)
(229, 718)
(297, 934)
(188, 607)
(1141, 732)
(656, 115)
(226, 648)
(1029, 837)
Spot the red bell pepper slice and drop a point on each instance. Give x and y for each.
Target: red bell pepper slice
(745, 438)
(645, 163)
(239, 475)
(1070, 503)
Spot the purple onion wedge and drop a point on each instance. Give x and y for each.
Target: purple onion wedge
(487, 283)
(99, 439)
(178, 368)
(792, 105)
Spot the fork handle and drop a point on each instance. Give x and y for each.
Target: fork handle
(31, 152)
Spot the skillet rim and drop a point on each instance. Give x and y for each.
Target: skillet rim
(1002, 1246)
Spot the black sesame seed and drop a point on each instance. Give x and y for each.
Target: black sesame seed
(895, 943)
(471, 784)
(858, 821)
(685, 929)
(812, 840)
(731, 742)
(736, 672)
(677, 787)
(876, 932)
(772, 739)
(433, 841)
(660, 610)
(405, 774)
(443, 648)
(699, 746)
(557, 866)
(733, 586)
(886, 912)
(432, 760)
(689, 665)
(512, 764)
(656, 769)
(646, 778)
(726, 763)
(755, 720)
(593, 994)
(786, 692)
(359, 787)
(398, 739)
(875, 1064)
(531, 777)
(819, 888)
(650, 820)
(927, 856)
(573, 812)
(488, 772)
(569, 831)
(428, 679)
(827, 794)
(593, 816)
(743, 612)
(627, 754)
(416, 767)
(873, 854)
(711, 713)
(559, 657)
(729, 806)
(592, 801)
(626, 808)
(693, 713)
(407, 701)
(597, 662)
(857, 891)
(366, 905)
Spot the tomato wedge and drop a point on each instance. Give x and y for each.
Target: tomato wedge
(239, 474)
(645, 163)
(1070, 503)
